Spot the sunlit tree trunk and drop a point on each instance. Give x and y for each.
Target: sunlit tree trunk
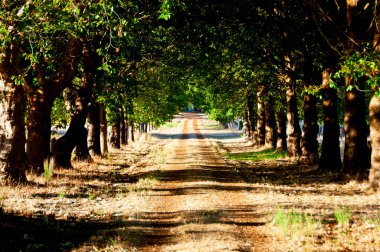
(93, 121)
(250, 116)
(281, 131)
(270, 123)
(374, 117)
(294, 130)
(261, 115)
(103, 130)
(13, 161)
(356, 151)
(330, 157)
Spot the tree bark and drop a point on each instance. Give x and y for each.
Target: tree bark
(115, 134)
(270, 124)
(309, 141)
(123, 125)
(356, 152)
(39, 129)
(82, 152)
(40, 102)
(13, 161)
(281, 131)
(64, 146)
(374, 118)
(132, 131)
(103, 130)
(93, 121)
(126, 118)
(294, 136)
(261, 115)
(330, 159)
(252, 133)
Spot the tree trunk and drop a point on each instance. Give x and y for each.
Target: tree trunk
(330, 158)
(13, 161)
(93, 122)
(250, 117)
(126, 127)
(374, 118)
(356, 152)
(41, 97)
(103, 130)
(39, 129)
(294, 136)
(123, 135)
(115, 134)
(309, 141)
(281, 131)
(260, 116)
(132, 131)
(270, 124)
(82, 152)
(65, 145)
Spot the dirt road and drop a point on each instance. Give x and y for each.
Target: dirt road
(173, 190)
(200, 203)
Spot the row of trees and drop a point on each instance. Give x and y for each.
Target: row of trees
(264, 61)
(100, 57)
(143, 60)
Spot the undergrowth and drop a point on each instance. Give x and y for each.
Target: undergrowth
(269, 154)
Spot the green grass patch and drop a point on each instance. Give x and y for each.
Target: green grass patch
(295, 224)
(171, 125)
(256, 156)
(342, 216)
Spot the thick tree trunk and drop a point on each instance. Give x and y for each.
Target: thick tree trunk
(260, 116)
(270, 124)
(41, 97)
(13, 161)
(330, 157)
(82, 152)
(103, 130)
(356, 152)
(93, 122)
(294, 130)
(123, 133)
(374, 117)
(281, 131)
(115, 134)
(64, 146)
(309, 141)
(39, 130)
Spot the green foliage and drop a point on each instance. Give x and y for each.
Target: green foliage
(59, 114)
(358, 66)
